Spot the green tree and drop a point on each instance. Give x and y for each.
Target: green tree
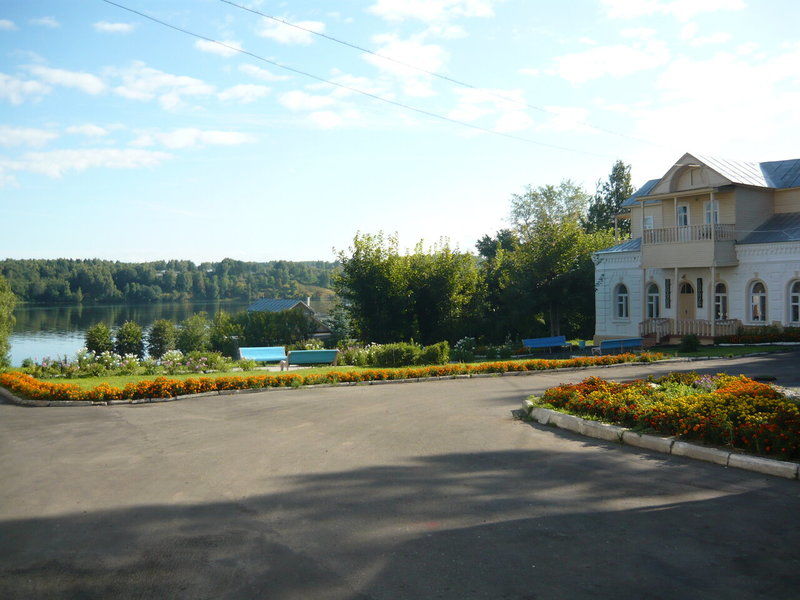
(7, 303)
(161, 338)
(98, 338)
(225, 335)
(340, 324)
(129, 339)
(193, 333)
(608, 199)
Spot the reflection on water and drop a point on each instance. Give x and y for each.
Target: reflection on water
(42, 331)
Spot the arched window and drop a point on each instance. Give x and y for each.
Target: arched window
(621, 301)
(758, 302)
(720, 302)
(653, 304)
(794, 302)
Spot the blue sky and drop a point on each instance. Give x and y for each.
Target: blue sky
(122, 139)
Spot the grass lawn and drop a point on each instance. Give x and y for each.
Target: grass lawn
(726, 351)
(121, 381)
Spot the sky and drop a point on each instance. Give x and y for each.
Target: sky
(121, 138)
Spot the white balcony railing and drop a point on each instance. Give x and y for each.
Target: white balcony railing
(663, 328)
(690, 233)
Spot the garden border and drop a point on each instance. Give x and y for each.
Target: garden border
(14, 399)
(665, 445)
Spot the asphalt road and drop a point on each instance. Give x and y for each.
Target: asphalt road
(421, 490)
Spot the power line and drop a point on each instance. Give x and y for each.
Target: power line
(421, 111)
(432, 73)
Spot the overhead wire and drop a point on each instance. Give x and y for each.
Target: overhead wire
(459, 82)
(350, 88)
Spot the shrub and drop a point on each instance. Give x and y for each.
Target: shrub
(464, 350)
(435, 354)
(401, 354)
(310, 344)
(225, 335)
(98, 338)
(161, 338)
(355, 355)
(689, 343)
(129, 340)
(247, 364)
(193, 334)
(211, 361)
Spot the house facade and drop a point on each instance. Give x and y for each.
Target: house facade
(715, 245)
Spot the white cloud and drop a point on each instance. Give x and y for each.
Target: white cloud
(86, 82)
(56, 163)
(6, 25)
(680, 9)
(325, 119)
(689, 34)
(286, 34)
(219, 50)
(140, 82)
(24, 136)
(45, 22)
(412, 51)
(107, 27)
(431, 10)
(88, 130)
(505, 107)
(244, 93)
(17, 91)
(617, 60)
(190, 137)
(513, 121)
(298, 100)
(530, 71)
(566, 119)
(262, 74)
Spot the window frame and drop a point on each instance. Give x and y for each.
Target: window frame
(621, 302)
(721, 302)
(678, 208)
(794, 301)
(707, 212)
(653, 301)
(761, 304)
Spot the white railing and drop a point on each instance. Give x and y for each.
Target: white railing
(663, 328)
(690, 233)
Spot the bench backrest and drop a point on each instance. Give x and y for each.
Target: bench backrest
(546, 342)
(622, 343)
(264, 354)
(311, 357)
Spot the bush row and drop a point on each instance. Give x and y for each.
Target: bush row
(401, 354)
(161, 387)
(723, 409)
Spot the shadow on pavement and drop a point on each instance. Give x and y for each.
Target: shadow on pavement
(511, 524)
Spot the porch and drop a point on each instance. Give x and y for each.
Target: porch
(663, 329)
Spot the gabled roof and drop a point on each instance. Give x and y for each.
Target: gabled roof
(783, 227)
(633, 245)
(777, 174)
(273, 305)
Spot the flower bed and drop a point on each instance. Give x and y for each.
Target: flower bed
(723, 409)
(161, 387)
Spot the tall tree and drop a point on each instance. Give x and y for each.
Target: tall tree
(7, 302)
(608, 199)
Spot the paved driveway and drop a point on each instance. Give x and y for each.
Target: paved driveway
(423, 490)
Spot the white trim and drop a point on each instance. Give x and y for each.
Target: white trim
(749, 305)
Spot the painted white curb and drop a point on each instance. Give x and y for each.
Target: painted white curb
(665, 445)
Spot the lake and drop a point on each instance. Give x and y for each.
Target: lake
(53, 331)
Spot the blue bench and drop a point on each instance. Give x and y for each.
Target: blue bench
(558, 341)
(310, 357)
(264, 354)
(619, 345)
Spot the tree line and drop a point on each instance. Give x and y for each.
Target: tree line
(534, 278)
(74, 281)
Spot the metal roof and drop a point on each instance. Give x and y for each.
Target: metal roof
(273, 305)
(642, 191)
(782, 173)
(633, 245)
(783, 227)
(737, 171)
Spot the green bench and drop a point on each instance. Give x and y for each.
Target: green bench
(310, 357)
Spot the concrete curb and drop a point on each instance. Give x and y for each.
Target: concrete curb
(665, 445)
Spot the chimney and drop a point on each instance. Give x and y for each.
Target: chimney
(308, 301)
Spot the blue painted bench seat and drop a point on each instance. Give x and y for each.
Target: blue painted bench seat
(621, 344)
(310, 357)
(264, 354)
(558, 341)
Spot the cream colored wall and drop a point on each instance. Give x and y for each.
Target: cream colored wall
(636, 218)
(787, 201)
(753, 207)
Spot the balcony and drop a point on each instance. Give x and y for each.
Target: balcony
(663, 329)
(690, 246)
